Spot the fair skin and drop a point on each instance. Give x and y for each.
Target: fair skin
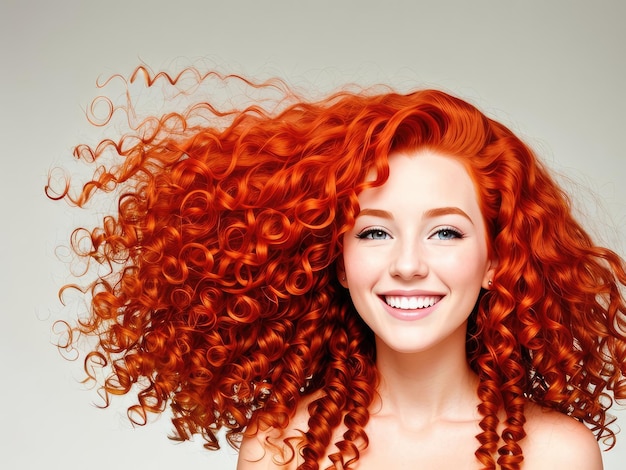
(414, 264)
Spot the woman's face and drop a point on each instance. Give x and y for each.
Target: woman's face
(417, 256)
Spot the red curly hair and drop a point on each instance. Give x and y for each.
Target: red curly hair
(222, 298)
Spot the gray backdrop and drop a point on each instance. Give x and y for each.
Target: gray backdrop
(552, 70)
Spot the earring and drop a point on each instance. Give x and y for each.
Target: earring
(489, 283)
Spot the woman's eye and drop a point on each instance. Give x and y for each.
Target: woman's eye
(447, 233)
(373, 234)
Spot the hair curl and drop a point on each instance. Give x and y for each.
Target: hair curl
(221, 297)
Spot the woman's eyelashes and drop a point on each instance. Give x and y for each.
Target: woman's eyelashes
(374, 233)
(378, 233)
(447, 233)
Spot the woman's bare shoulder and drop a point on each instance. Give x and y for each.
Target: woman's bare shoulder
(275, 449)
(263, 450)
(555, 440)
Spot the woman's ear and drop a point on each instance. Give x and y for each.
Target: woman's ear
(489, 274)
(341, 272)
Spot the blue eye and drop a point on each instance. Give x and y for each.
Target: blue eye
(447, 233)
(373, 234)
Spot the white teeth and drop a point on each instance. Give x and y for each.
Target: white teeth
(411, 303)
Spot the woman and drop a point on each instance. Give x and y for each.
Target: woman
(353, 283)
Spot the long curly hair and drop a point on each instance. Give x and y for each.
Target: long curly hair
(217, 293)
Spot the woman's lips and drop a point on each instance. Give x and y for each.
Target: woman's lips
(410, 307)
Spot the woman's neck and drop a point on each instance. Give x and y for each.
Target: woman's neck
(431, 385)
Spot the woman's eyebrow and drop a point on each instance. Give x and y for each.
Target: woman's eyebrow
(439, 211)
(376, 213)
(431, 213)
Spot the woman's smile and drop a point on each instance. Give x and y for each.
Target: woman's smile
(411, 308)
(411, 302)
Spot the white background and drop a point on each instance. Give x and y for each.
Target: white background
(552, 70)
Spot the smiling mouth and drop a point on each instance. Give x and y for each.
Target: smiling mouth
(411, 303)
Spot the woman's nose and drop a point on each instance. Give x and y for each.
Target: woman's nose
(408, 261)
